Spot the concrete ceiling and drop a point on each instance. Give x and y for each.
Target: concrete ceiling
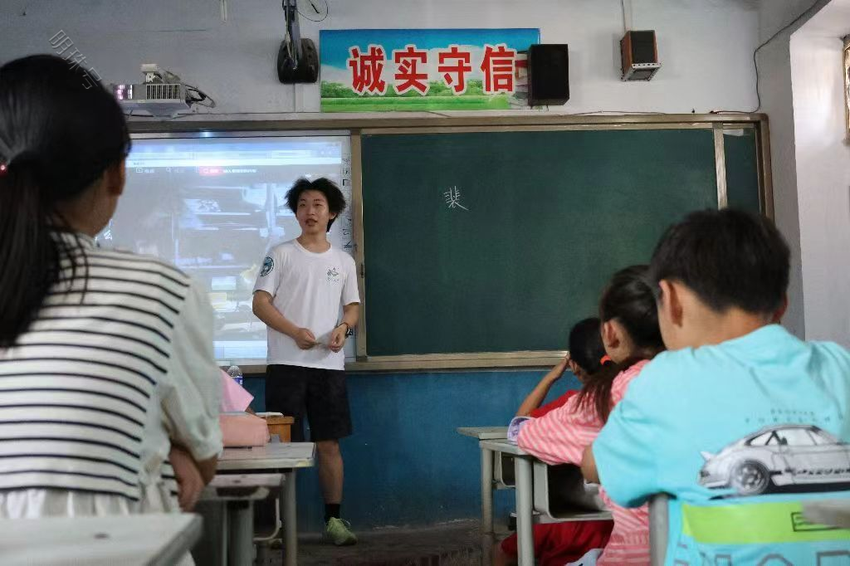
(833, 20)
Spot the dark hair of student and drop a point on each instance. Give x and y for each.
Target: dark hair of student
(336, 201)
(59, 131)
(585, 344)
(729, 258)
(628, 299)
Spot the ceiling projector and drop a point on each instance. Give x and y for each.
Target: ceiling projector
(161, 94)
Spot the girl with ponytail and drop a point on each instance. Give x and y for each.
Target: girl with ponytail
(98, 349)
(631, 337)
(55, 142)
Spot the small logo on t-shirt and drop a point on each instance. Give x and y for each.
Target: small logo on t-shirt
(333, 275)
(268, 265)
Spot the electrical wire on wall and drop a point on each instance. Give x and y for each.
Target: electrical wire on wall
(771, 38)
(627, 19)
(199, 97)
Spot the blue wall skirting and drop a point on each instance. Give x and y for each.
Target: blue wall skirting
(405, 465)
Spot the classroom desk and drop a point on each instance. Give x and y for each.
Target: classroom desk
(235, 495)
(484, 432)
(283, 458)
(524, 494)
(156, 539)
(487, 459)
(557, 492)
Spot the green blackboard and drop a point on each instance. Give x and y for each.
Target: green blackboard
(500, 241)
(742, 179)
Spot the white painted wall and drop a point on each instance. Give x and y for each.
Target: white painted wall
(777, 102)
(704, 45)
(801, 90)
(823, 171)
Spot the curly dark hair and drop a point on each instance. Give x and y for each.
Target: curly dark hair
(336, 200)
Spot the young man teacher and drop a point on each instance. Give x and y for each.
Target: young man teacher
(298, 295)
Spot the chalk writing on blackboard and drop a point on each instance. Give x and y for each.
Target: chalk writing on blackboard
(453, 198)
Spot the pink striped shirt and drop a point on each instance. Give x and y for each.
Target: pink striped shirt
(561, 436)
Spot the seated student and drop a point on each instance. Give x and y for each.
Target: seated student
(558, 543)
(586, 356)
(631, 336)
(740, 420)
(105, 357)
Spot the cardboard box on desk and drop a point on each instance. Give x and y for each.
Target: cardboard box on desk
(279, 425)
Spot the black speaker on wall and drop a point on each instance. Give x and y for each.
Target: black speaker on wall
(548, 74)
(639, 51)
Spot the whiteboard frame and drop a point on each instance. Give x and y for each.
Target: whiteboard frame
(420, 123)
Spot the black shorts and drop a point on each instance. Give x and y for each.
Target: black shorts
(318, 394)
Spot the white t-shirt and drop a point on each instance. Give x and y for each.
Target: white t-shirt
(308, 290)
(189, 394)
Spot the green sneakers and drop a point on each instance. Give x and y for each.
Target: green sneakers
(338, 532)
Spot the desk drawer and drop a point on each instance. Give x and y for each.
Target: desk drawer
(504, 475)
(561, 493)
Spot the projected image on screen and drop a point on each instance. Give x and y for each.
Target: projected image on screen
(214, 206)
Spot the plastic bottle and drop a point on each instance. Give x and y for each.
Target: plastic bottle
(236, 374)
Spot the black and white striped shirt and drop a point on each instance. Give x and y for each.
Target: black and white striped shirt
(88, 390)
